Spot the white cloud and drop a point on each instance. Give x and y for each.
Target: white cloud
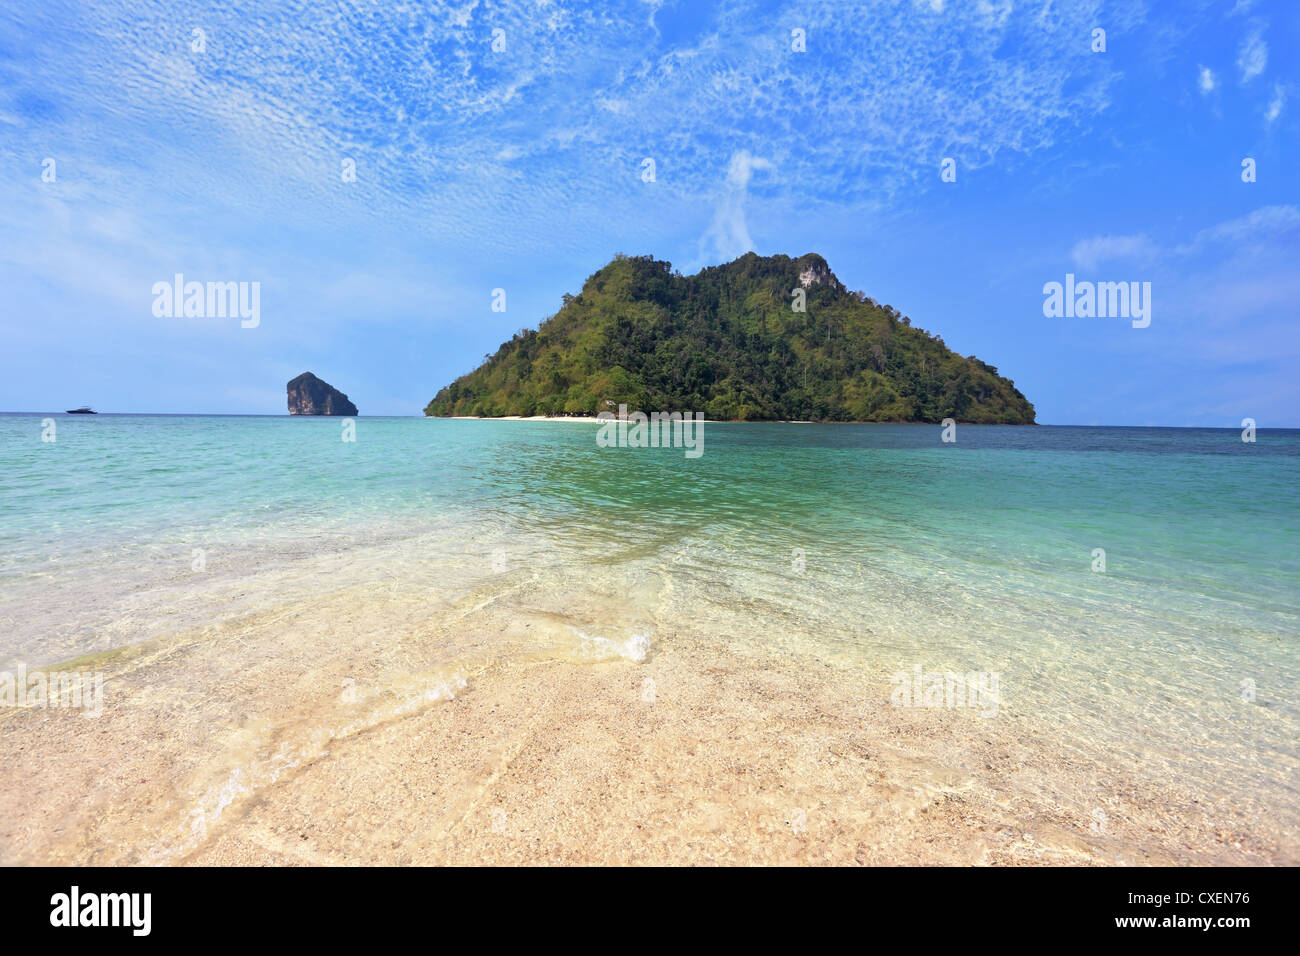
(1258, 226)
(997, 14)
(1276, 105)
(741, 169)
(1206, 80)
(452, 139)
(1089, 253)
(1252, 57)
(1263, 223)
(729, 232)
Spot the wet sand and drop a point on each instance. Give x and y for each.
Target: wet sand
(384, 723)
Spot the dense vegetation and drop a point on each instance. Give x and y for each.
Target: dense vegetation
(727, 342)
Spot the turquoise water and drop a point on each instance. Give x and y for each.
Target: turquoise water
(877, 547)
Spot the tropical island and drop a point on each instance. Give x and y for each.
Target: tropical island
(762, 338)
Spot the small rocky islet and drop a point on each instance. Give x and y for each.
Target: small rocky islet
(309, 395)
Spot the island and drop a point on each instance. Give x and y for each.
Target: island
(762, 338)
(308, 395)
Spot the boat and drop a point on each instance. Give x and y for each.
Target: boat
(83, 410)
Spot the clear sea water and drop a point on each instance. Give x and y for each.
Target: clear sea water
(878, 547)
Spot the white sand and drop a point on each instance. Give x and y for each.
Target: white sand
(388, 721)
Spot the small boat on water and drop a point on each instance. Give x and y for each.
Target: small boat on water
(83, 410)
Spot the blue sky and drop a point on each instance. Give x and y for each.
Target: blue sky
(521, 169)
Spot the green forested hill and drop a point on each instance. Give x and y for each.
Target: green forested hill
(726, 342)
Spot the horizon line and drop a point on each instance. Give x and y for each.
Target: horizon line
(774, 421)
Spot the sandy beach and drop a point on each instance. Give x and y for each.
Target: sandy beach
(529, 418)
(484, 730)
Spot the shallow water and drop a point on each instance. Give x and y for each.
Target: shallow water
(877, 549)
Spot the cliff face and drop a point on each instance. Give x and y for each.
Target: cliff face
(308, 395)
(758, 338)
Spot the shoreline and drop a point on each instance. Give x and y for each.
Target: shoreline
(493, 724)
(591, 419)
(737, 757)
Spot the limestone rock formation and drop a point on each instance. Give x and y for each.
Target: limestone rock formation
(308, 395)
